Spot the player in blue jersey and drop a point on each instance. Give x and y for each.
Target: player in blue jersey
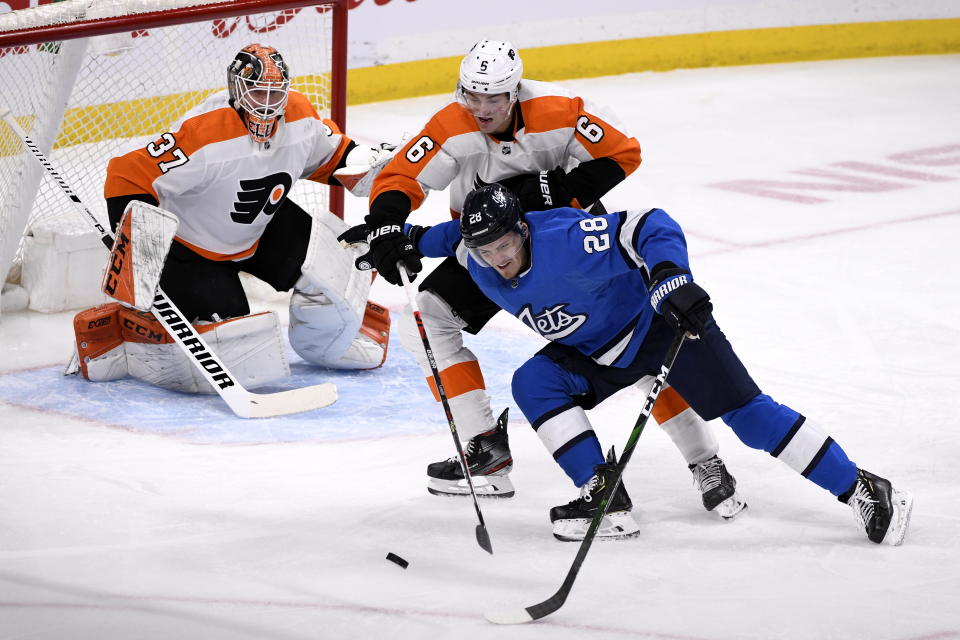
(609, 292)
(552, 148)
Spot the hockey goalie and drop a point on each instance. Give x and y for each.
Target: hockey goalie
(220, 177)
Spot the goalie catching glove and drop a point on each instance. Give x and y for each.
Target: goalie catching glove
(682, 302)
(362, 164)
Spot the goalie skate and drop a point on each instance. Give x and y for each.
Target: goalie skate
(880, 510)
(490, 462)
(572, 520)
(718, 488)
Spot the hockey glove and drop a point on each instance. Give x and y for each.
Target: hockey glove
(353, 236)
(389, 244)
(683, 303)
(539, 191)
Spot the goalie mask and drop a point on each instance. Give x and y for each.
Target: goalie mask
(259, 83)
(491, 67)
(490, 225)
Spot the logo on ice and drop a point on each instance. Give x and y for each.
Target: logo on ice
(554, 323)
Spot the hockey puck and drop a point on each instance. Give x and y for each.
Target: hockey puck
(392, 557)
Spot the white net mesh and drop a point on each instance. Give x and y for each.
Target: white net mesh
(84, 100)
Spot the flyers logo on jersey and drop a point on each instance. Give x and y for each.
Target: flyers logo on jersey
(554, 323)
(262, 194)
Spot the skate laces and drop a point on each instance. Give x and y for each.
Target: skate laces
(862, 502)
(708, 474)
(468, 450)
(586, 491)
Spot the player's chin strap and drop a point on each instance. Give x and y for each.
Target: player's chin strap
(483, 537)
(245, 404)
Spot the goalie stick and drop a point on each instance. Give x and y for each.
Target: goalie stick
(245, 404)
(483, 537)
(554, 602)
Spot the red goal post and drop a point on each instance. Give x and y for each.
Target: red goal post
(86, 78)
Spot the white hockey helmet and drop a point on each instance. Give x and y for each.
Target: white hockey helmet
(491, 66)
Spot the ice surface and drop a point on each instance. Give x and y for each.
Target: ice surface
(127, 512)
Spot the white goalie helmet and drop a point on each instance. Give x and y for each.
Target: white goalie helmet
(259, 84)
(491, 66)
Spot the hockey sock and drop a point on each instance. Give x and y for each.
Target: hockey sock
(796, 441)
(579, 457)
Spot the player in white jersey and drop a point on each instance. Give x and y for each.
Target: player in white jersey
(225, 169)
(553, 149)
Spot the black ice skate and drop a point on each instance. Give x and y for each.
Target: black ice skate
(571, 521)
(490, 462)
(880, 510)
(718, 488)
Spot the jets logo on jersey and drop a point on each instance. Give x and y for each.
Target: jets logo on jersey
(554, 323)
(262, 194)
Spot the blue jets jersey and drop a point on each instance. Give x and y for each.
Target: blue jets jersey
(586, 285)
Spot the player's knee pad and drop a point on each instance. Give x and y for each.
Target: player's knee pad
(542, 387)
(458, 368)
(331, 322)
(114, 341)
(444, 329)
(688, 431)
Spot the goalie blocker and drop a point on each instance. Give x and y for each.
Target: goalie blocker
(139, 251)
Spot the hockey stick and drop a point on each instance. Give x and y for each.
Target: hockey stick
(245, 404)
(483, 537)
(554, 602)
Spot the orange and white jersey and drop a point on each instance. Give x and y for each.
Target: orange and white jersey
(223, 186)
(557, 129)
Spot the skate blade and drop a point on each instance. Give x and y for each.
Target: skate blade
(614, 526)
(731, 507)
(902, 508)
(484, 486)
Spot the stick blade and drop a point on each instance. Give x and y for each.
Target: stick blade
(282, 403)
(508, 616)
(483, 539)
(531, 613)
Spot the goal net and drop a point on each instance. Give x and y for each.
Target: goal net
(85, 78)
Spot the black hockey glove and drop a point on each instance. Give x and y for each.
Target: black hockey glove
(539, 191)
(353, 236)
(391, 242)
(682, 302)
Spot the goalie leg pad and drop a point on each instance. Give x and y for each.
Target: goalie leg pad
(114, 341)
(331, 322)
(318, 328)
(100, 343)
(459, 370)
(251, 346)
